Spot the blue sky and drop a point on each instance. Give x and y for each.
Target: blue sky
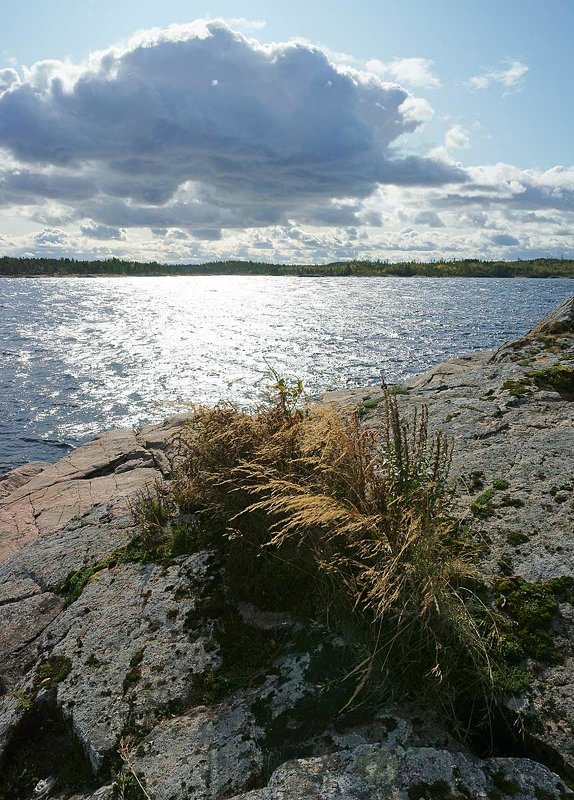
(493, 87)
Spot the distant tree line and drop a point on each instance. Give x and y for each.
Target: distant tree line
(464, 268)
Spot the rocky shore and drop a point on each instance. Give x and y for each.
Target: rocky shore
(147, 680)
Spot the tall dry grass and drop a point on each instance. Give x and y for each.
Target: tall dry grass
(350, 526)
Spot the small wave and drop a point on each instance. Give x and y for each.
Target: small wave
(53, 442)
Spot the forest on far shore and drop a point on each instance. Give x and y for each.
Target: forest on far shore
(463, 268)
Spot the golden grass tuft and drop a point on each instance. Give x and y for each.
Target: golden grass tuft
(351, 527)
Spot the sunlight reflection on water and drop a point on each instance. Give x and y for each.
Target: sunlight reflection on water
(81, 355)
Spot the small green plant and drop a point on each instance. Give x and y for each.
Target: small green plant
(509, 679)
(50, 673)
(153, 510)
(482, 506)
(127, 783)
(25, 699)
(500, 484)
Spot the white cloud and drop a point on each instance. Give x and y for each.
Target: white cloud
(195, 143)
(416, 72)
(456, 138)
(416, 109)
(51, 236)
(244, 24)
(430, 218)
(508, 77)
(8, 79)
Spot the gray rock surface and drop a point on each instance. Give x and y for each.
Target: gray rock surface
(131, 659)
(207, 753)
(138, 660)
(378, 771)
(38, 500)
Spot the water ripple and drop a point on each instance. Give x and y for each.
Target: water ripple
(78, 356)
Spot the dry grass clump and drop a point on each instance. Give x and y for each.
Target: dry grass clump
(348, 526)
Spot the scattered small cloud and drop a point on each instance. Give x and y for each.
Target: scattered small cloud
(416, 109)
(95, 230)
(456, 138)
(416, 72)
(169, 233)
(50, 236)
(509, 77)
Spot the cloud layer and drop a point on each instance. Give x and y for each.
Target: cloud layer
(195, 143)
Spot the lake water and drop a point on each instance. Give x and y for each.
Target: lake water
(80, 355)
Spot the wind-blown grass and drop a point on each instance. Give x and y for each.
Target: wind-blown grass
(347, 526)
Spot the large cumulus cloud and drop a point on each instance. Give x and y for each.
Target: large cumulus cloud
(198, 126)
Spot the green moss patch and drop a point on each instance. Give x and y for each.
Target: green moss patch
(557, 378)
(247, 654)
(530, 609)
(178, 539)
(370, 402)
(518, 388)
(48, 675)
(516, 538)
(484, 505)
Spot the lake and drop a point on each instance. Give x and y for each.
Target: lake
(81, 355)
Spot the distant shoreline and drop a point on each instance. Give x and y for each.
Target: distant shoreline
(269, 275)
(51, 276)
(466, 268)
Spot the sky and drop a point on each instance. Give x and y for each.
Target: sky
(304, 131)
